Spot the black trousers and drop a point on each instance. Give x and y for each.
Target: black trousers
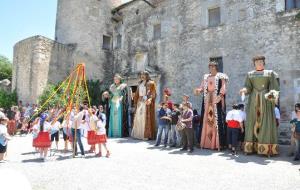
(188, 138)
(233, 136)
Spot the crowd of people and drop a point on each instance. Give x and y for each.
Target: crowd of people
(250, 127)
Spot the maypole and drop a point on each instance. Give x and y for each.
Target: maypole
(75, 90)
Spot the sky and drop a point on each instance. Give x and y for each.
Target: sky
(21, 19)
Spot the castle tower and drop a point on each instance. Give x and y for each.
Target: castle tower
(87, 26)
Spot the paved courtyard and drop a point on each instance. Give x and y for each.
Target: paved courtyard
(138, 165)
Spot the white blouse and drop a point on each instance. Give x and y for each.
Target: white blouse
(142, 89)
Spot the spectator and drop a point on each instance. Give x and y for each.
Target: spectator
(196, 127)
(163, 122)
(234, 124)
(187, 134)
(293, 140)
(175, 134)
(4, 136)
(296, 133)
(242, 133)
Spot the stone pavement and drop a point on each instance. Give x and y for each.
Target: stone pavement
(138, 165)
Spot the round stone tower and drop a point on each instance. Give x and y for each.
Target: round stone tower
(88, 27)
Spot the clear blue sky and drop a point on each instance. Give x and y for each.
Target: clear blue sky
(21, 19)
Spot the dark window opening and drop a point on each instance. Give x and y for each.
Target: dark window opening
(106, 42)
(214, 17)
(156, 31)
(119, 42)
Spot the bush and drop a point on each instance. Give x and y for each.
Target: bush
(7, 99)
(5, 68)
(298, 16)
(96, 88)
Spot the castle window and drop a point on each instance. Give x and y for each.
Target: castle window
(156, 31)
(214, 17)
(119, 41)
(106, 42)
(292, 4)
(219, 60)
(297, 89)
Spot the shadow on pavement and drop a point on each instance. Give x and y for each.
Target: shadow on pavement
(131, 140)
(36, 160)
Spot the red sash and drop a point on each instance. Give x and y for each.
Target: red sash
(233, 124)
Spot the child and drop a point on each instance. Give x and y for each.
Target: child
(4, 136)
(42, 141)
(175, 135)
(164, 118)
(235, 124)
(55, 125)
(101, 137)
(66, 125)
(35, 130)
(296, 133)
(91, 130)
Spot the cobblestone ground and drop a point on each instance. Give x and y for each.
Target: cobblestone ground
(138, 165)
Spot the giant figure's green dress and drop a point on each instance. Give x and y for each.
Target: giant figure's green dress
(261, 130)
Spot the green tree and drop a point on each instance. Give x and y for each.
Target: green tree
(96, 88)
(5, 68)
(7, 99)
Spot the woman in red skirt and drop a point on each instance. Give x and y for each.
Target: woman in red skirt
(42, 141)
(102, 138)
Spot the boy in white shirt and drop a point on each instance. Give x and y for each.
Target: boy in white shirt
(235, 124)
(55, 126)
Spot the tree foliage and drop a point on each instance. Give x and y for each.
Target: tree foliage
(60, 98)
(7, 99)
(5, 68)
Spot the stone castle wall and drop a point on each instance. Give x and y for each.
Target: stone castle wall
(38, 61)
(179, 56)
(187, 42)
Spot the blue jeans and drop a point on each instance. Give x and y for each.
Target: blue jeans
(161, 129)
(297, 155)
(197, 134)
(78, 140)
(175, 136)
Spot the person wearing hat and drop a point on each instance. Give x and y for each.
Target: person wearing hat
(4, 136)
(213, 111)
(118, 115)
(262, 87)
